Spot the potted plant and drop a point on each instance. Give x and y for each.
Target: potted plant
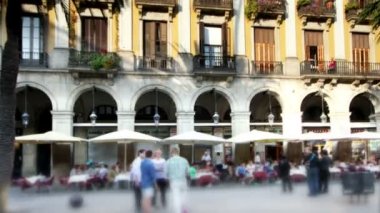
(350, 6)
(251, 9)
(329, 4)
(103, 61)
(303, 3)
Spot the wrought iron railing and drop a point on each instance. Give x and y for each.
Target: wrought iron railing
(156, 2)
(341, 68)
(353, 8)
(214, 4)
(271, 6)
(214, 63)
(156, 63)
(318, 10)
(92, 59)
(267, 68)
(34, 59)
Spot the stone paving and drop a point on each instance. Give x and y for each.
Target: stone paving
(215, 199)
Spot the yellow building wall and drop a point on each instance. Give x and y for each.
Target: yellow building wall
(135, 29)
(331, 47)
(174, 44)
(248, 38)
(377, 49)
(194, 43)
(50, 35)
(299, 38)
(115, 39)
(347, 36)
(231, 26)
(282, 41)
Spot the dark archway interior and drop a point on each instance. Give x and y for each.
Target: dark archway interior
(260, 108)
(361, 108)
(312, 108)
(206, 105)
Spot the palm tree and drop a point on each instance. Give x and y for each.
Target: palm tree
(371, 11)
(8, 79)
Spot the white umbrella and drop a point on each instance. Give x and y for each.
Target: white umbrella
(124, 136)
(258, 136)
(48, 137)
(192, 138)
(312, 136)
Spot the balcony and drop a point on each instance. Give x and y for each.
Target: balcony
(84, 64)
(319, 12)
(267, 68)
(214, 65)
(352, 10)
(214, 6)
(341, 69)
(271, 9)
(155, 64)
(156, 3)
(33, 59)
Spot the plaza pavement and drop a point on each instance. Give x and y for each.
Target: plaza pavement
(216, 199)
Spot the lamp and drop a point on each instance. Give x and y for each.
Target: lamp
(156, 116)
(323, 115)
(25, 115)
(215, 117)
(270, 116)
(93, 116)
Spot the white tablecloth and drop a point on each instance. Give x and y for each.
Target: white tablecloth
(373, 168)
(34, 179)
(123, 177)
(334, 170)
(294, 171)
(200, 174)
(78, 178)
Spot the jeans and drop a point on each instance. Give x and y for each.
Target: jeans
(324, 180)
(138, 196)
(313, 180)
(286, 184)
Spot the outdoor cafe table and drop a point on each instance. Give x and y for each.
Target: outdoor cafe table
(78, 178)
(33, 179)
(123, 178)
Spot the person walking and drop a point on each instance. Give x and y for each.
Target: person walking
(148, 181)
(161, 179)
(136, 178)
(312, 166)
(284, 174)
(177, 172)
(324, 172)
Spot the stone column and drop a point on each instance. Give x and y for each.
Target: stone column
(62, 121)
(291, 66)
(377, 118)
(185, 59)
(29, 155)
(239, 41)
(291, 127)
(340, 47)
(239, 124)
(185, 121)
(126, 120)
(125, 37)
(59, 57)
(340, 122)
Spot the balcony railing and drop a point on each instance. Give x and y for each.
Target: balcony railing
(271, 7)
(341, 68)
(33, 59)
(214, 64)
(213, 4)
(317, 11)
(354, 7)
(157, 63)
(267, 68)
(157, 3)
(87, 59)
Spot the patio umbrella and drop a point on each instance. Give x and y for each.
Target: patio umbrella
(323, 136)
(258, 136)
(49, 137)
(124, 137)
(193, 138)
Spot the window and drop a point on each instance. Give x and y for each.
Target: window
(214, 44)
(264, 49)
(31, 43)
(360, 51)
(155, 39)
(94, 34)
(314, 50)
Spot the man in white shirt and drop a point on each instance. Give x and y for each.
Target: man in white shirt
(136, 178)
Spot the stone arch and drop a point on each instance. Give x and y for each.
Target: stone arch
(45, 90)
(274, 90)
(166, 90)
(223, 91)
(77, 92)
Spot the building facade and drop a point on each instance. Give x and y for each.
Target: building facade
(189, 60)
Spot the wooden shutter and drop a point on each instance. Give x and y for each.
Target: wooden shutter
(314, 38)
(100, 27)
(201, 37)
(86, 36)
(163, 39)
(149, 39)
(360, 51)
(224, 39)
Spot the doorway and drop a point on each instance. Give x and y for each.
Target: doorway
(43, 159)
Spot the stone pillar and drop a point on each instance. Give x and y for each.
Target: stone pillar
(239, 124)
(59, 57)
(291, 66)
(340, 47)
(239, 41)
(292, 127)
(184, 61)
(29, 155)
(377, 119)
(125, 37)
(62, 121)
(340, 122)
(185, 121)
(126, 120)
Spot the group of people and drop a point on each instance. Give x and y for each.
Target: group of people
(150, 174)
